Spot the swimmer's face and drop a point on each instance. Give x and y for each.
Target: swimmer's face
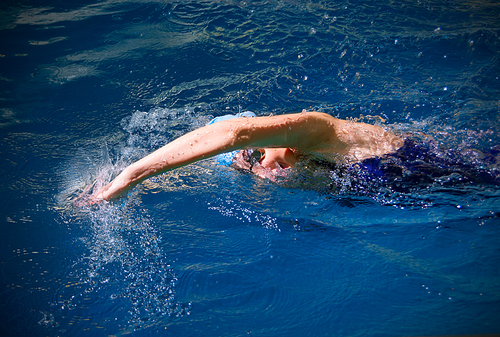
(266, 163)
(274, 161)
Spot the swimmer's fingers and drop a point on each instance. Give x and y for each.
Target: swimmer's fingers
(87, 198)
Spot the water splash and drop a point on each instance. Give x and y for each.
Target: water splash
(158, 126)
(122, 266)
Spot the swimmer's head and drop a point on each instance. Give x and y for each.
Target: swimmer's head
(266, 163)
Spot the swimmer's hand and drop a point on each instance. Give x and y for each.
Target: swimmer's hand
(88, 201)
(89, 198)
(120, 185)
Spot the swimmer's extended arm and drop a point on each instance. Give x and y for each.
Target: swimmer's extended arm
(307, 131)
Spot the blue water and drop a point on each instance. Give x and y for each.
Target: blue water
(87, 88)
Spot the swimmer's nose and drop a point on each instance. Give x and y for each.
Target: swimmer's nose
(275, 159)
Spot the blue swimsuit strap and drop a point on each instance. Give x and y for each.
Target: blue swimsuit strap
(227, 158)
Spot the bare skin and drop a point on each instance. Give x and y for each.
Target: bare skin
(308, 132)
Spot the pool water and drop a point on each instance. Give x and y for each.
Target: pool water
(205, 250)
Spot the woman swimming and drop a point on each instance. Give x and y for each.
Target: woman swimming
(271, 145)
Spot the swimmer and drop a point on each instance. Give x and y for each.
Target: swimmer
(268, 146)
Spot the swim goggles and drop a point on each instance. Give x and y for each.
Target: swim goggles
(254, 156)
